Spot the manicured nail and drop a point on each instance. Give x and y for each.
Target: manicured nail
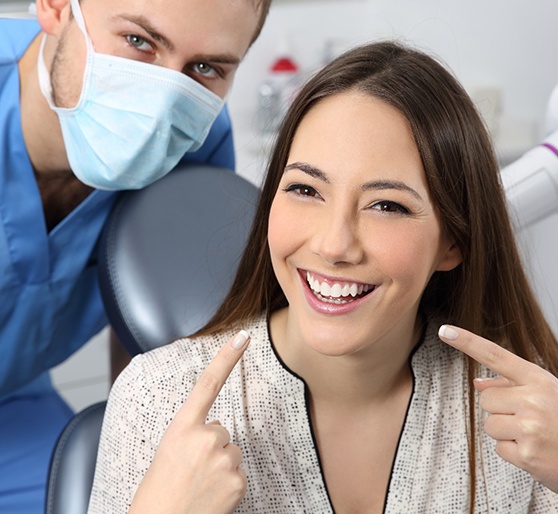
(240, 340)
(448, 333)
(487, 379)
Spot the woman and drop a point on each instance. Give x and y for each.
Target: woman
(381, 218)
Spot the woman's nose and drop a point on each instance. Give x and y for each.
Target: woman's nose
(337, 239)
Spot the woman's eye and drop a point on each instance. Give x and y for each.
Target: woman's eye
(302, 190)
(387, 206)
(139, 43)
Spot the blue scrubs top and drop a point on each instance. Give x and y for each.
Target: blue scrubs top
(50, 303)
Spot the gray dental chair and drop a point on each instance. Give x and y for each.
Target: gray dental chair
(166, 260)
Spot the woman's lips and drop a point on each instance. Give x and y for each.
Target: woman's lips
(336, 290)
(333, 296)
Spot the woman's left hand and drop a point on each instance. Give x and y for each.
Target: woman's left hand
(522, 403)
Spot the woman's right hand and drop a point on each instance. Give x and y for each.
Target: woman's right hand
(196, 468)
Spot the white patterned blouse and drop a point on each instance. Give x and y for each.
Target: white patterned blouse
(264, 407)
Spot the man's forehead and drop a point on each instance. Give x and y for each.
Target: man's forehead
(211, 16)
(236, 23)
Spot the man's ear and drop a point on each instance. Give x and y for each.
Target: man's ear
(53, 15)
(450, 258)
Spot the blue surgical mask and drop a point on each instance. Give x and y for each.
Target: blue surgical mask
(133, 122)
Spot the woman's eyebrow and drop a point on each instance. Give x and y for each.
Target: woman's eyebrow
(390, 184)
(309, 170)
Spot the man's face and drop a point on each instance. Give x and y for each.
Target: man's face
(204, 39)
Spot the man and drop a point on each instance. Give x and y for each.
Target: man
(95, 97)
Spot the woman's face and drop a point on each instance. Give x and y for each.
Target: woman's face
(353, 233)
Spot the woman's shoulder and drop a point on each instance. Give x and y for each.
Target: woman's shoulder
(433, 354)
(433, 358)
(160, 380)
(190, 355)
(431, 345)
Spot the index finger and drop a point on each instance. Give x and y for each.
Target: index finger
(489, 354)
(208, 386)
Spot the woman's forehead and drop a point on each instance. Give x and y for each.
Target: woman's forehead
(356, 131)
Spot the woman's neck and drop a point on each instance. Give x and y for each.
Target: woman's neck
(373, 375)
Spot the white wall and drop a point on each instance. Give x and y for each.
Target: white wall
(84, 378)
(496, 43)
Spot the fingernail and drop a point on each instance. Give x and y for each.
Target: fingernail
(240, 340)
(479, 380)
(448, 333)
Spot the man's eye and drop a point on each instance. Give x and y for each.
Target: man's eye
(206, 70)
(139, 43)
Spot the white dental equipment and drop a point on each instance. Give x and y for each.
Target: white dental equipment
(531, 182)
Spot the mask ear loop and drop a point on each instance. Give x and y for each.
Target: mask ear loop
(45, 84)
(43, 75)
(78, 16)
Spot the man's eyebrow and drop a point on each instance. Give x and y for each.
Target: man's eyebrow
(143, 22)
(311, 170)
(216, 58)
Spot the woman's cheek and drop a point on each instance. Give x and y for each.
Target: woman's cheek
(285, 227)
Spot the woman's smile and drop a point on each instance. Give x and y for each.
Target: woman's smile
(333, 291)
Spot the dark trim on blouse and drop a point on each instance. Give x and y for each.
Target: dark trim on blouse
(412, 354)
(309, 417)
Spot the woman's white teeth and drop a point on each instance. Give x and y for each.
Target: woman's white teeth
(336, 290)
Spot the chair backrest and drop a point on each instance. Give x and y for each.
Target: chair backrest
(169, 253)
(167, 257)
(73, 463)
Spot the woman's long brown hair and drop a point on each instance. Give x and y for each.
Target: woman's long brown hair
(488, 293)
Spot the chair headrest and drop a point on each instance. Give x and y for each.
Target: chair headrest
(169, 252)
